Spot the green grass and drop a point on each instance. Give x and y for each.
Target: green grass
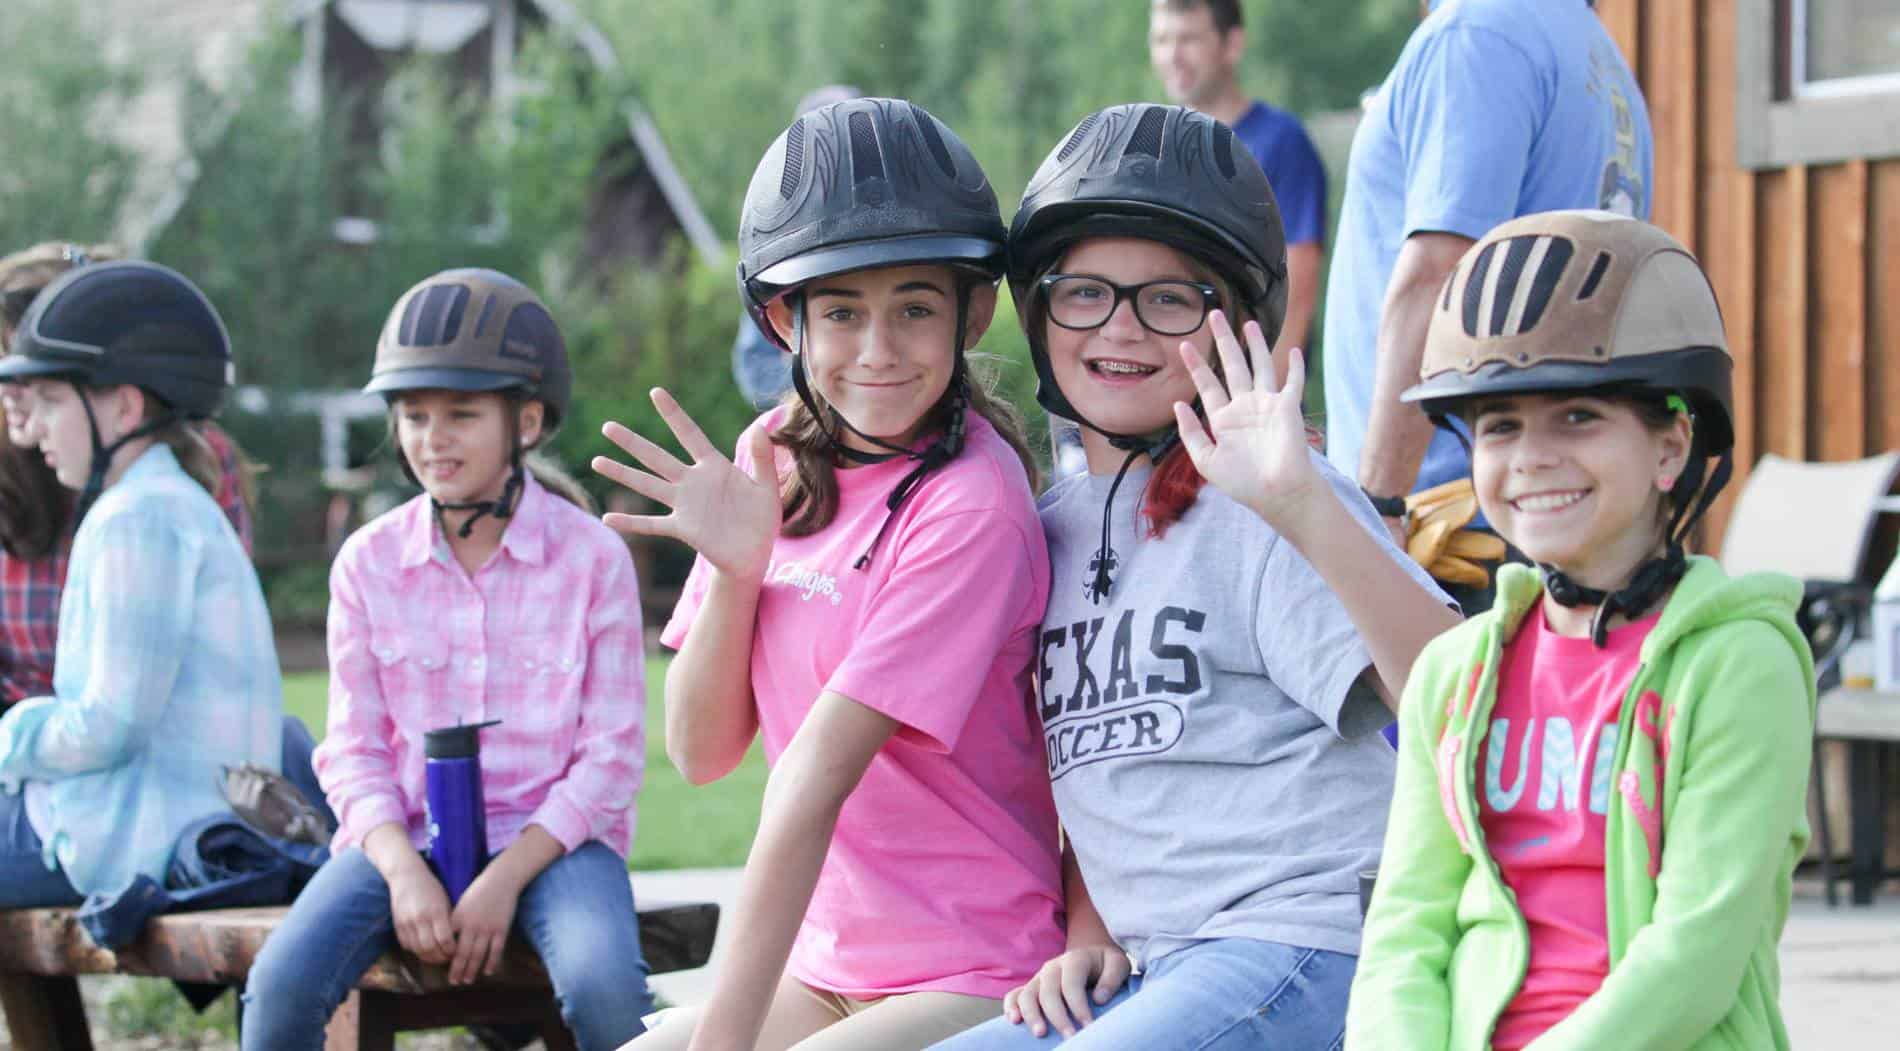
(681, 825)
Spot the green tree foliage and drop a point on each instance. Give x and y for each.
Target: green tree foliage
(64, 170)
(455, 181)
(1010, 75)
(451, 184)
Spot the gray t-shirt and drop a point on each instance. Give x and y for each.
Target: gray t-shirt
(1214, 767)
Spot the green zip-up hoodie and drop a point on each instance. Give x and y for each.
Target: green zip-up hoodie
(1703, 832)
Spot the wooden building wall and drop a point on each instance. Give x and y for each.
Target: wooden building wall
(1805, 259)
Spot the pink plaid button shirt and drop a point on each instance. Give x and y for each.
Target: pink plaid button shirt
(545, 637)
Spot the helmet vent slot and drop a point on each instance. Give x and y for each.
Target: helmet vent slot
(1147, 137)
(1516, 251)
(933, 140)
(794, 160)
(531, 335)
(1544, 281)
(481, 319)
(1224, 149)
(1474, 289)
(1595, 276)
(1511, 299)
(866, 161)
(1075, 137)
(433, 316)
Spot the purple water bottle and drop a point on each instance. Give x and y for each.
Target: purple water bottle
(458, 822)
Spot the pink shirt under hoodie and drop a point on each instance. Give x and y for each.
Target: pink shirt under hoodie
(1546, 768)
(943, 871)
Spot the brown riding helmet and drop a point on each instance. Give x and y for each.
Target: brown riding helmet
(1579, 300)
(474, 330)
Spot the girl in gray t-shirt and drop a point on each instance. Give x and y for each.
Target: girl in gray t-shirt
(1229, 624)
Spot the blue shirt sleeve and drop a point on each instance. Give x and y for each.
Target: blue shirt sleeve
(141, 600)
(1465, 111)
(1299, 186)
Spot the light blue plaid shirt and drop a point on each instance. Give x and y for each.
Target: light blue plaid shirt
(166, 671)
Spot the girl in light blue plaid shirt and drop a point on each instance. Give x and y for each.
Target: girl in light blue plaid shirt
(165, 670)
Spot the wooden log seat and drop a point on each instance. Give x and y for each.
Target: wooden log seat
(43, 950)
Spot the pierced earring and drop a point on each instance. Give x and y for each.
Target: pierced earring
(1666, 482)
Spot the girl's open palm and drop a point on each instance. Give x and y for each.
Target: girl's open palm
(1254, 445)
(727, 515)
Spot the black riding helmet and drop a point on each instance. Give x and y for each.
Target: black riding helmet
(856, 185)
(128, 322)
(859, 184)
(1160, 173)
(476, 330)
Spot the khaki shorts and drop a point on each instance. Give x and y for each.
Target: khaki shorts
(810, 1019)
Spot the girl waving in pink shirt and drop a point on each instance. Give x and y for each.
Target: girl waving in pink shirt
(870, 581)
(493, 596)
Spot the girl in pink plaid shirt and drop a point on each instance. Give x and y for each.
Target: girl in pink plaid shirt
(488, 597)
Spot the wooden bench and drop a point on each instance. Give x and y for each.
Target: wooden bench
(1869, 721)
(41, 950)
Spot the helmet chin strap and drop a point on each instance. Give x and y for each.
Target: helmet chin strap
(940, 451)
(1153, 445)
(1102, 566)
(502, 507)
(102, 453)
(1651, 580)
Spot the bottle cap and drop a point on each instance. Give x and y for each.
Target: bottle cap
(461, 741)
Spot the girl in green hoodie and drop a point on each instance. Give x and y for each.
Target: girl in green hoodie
(1600, 794)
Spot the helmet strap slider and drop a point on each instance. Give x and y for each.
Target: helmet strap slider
(502, 507)
(102, 452)
(939, 452)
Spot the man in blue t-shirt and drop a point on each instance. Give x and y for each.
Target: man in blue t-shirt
(1495, 109)
(1195, 46)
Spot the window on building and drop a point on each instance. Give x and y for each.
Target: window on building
(355, 51)
(1818, 80)
(1843, 47)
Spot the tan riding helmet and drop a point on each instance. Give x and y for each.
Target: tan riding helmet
(25, 272)
(1579, 300)
(474, 330)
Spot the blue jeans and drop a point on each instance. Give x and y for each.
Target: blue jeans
(1215, 995)
(578, 914)
(25, 881)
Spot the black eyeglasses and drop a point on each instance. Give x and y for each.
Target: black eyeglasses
(1166, 308)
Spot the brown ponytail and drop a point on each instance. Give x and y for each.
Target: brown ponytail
(35, 510)
(556, 480)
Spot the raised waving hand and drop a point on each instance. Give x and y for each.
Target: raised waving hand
(1254, 445)
(728, 515)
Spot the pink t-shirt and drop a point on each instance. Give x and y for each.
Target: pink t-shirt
(1547, 770)
(943, 872)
